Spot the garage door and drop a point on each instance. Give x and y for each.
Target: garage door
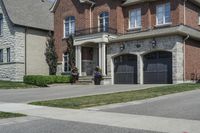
(125, 69)
(158, 68)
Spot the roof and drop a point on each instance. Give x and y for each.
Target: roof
(30, 13)
(177, 30)
(55, 4)
(131, 2)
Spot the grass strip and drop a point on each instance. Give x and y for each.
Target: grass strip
(4, 115)
(14, 85)
(120, 97)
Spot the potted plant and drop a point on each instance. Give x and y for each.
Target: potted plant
(75, 75)
(97, 76)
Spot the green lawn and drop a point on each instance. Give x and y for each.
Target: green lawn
(4, 115)
(120, 97)
(14, 85)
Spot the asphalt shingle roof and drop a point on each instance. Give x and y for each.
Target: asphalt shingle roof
(30, 13)
(130, 2)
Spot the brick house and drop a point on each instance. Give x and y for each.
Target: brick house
(133, 41)
(24, 25)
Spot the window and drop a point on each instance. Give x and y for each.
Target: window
(163, 14)
(135, 19)
(69, 26)
(104, 22)
(199, 19)
(1, 55)
(1, 24)
(8, 54)
(66, 62)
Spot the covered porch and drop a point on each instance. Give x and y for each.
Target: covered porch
(90, 55)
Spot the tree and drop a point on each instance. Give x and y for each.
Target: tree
(71, 51)
(51, 55)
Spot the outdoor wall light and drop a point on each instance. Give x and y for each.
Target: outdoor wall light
(138, 45)
(154, 43)
(122, 46)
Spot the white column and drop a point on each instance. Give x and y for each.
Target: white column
(104, 59)
(100, 55)
(140, 70)
(79, 59)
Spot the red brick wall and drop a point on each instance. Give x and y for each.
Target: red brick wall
(119, 16)
(69, 8)
(149, 13)
(192, 58)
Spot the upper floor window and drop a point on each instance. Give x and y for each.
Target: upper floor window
(69, 26)
(135, 19)
(104, 21)
(1, 24)
(163, 14)
(1, 55)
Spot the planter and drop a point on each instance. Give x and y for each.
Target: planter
(97, 81)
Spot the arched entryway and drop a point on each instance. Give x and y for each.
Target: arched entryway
(125, 69)
(158, 68)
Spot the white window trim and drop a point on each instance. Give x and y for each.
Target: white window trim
(99, 24)
(64, 26)
(129, 21)
(63, 63)
(164, 21)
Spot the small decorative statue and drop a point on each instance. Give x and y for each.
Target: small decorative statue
(75, 75)
(97, 76)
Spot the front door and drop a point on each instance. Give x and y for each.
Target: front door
(87, 61)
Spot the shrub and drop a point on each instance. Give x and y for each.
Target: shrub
(43, 81)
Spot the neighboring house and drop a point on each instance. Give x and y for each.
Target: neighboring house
(24, 25)
(133, 41)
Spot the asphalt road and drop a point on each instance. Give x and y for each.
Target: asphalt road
(56, 126)
(183, 105)
(35, 94)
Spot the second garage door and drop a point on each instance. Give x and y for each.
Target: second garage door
(158, 68)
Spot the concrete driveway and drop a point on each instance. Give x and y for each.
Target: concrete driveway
(64, 91)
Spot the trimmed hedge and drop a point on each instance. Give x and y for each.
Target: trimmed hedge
(43, 81)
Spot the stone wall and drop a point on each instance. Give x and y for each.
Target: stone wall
(13, 38)
(142, 47)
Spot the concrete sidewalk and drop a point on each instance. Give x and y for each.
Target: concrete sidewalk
(158, 124)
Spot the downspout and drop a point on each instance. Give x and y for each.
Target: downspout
(25, 53)
(184, 41)
(92, 5)
(184, 62)
(184, 12)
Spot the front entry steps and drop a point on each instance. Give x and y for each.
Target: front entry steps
(85, 80)
(88, 80)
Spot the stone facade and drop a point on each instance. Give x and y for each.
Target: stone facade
(14, 38)
(171, 43)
